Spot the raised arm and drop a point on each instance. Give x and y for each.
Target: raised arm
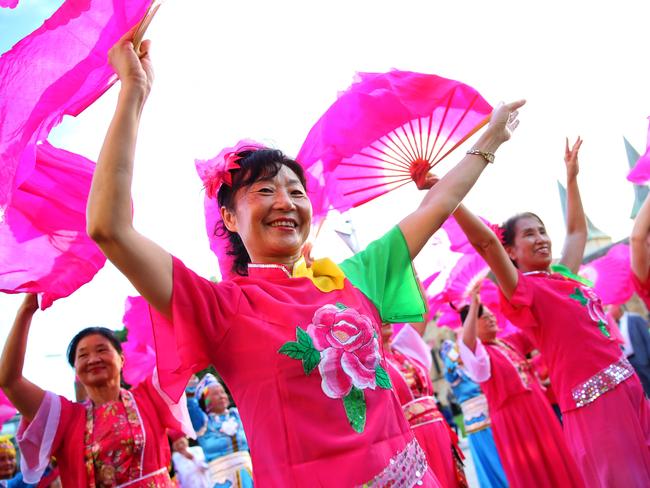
(24, 394)
(441, 200)
(470, 326)
(576, 222)
(109, 213)
(488, 245)
(639, 249)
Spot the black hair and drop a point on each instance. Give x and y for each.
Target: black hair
(102, 331)
(255, 165)
(510, 226)
(464, 311)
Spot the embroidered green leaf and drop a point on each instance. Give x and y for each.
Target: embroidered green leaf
(310, 360)
(294, 350)
(579, 296)
(382, 378)
(340, 306)
(304, 339)
(603, 328)
(355, 408)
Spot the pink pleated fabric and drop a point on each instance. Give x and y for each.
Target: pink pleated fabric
(139, 353)
(59, 69)
(622, 458)
(640, 174)
(7, 410)
(384, 131)
(8, 3)
(611, 275)
(43, 241)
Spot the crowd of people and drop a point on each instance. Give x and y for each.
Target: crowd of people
(327, 393)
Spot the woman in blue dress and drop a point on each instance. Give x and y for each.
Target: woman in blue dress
(220, 434)
(476, 418)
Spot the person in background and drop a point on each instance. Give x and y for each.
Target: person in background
(526, 432)
(116, 437)
(590, 376)
(409, 365)
(189, 463)
(476, 417)
(220, 434)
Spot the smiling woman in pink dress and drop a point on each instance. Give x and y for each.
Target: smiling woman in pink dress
(565, 319)
(296, 345)
(117, 437)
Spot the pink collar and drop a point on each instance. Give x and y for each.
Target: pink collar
(268, 271)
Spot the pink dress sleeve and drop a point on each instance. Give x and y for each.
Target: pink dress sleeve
(477, 363)
(518, 308)
(201, 312)
(36, 438)
(408, 342)
(178, 417)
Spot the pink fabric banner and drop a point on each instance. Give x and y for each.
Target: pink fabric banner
(139, 354)
(43, 241)
(8, 3)
(60, 68)
(7, 410)
(611, 275)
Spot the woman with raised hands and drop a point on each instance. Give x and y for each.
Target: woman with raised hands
(297, 346)
(527, 434)
(565, 319)
(117, 437)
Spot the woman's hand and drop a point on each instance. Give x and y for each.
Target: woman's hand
(571, 158)
(132, 69)
(504, 120)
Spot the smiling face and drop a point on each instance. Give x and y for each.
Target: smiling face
(272, 217)
(7, 463)
(97, 363)
(531, 249)
(487, 327)
(216, 400)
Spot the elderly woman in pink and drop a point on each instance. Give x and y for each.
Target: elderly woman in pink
(296, 345)
(527, 434)
(565, 319)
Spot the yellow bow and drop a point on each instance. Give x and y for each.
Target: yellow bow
(323, 273)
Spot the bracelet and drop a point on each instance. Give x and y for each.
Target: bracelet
(488, 156)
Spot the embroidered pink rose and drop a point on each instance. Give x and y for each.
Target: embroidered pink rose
(349, 349)
(343, 344)
(594, 306)
(587, 298)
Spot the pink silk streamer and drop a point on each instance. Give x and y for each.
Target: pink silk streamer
(8, 3)
(219, 244)
(59, 69)
(385, 130)
(43, 241)
(7, 410)
(611, 275)
(640, 174)
(139, 353)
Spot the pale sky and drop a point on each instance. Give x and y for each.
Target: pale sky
(268, 69)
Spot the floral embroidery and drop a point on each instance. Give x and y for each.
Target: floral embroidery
(343, 344)
(587, 298)
(114, 441)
